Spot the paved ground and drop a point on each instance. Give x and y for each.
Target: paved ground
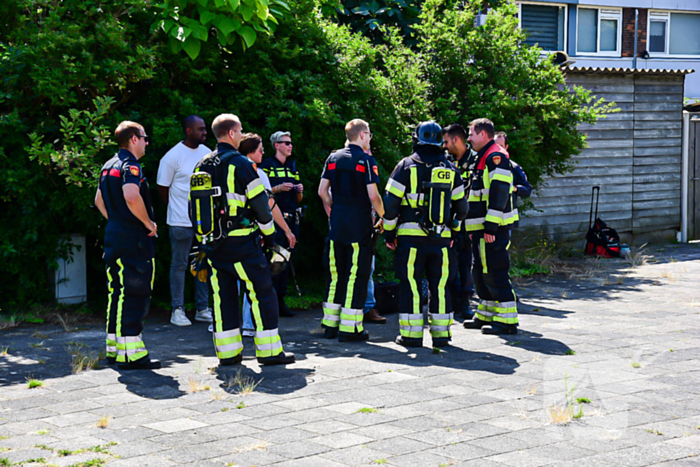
(628, 341)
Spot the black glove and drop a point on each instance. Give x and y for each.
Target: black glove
(390, 236)
(268, 242)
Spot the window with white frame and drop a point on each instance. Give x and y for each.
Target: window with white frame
(598, 32)
(674, 34)
(545, 25)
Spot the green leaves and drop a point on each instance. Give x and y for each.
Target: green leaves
(187, 23)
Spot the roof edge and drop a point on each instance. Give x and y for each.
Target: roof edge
(624, 71)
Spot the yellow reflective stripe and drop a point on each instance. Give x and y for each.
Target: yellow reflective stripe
(267, 229)
(242, 232)
(231, 186)
(413, 229)
(395, 188)
(217, 300)
(334, 273)
(414, 185)
(458, 193)
(353, 275)
(254, 302)
(153, 275)
(412, 280)
(502, 178)
(482, 254)
(442, 301)
(390, 224)
(254, 188)
(120, 303)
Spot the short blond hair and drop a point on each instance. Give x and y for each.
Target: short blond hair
(125, 131)
(354, 127)
(223, 124)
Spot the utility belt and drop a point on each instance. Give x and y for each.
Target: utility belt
(297, 215)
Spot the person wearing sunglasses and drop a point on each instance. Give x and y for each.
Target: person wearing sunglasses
(123, 198)
(288, 192)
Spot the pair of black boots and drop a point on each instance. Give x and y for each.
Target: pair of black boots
(332, 333)
(283, 358)
(144, 363)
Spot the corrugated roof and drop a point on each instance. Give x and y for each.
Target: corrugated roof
(624, 71)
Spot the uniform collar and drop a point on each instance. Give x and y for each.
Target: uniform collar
(220, 147)
(286, 162)
(356, 149)
(483, 150)
(126, 154)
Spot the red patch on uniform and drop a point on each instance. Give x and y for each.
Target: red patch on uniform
(331, 166)
(134, 170)
(376, 170)
(496, 160)
(360, 168)
(114, 172)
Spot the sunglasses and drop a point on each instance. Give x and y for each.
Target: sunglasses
(286, 143)
(146, 138)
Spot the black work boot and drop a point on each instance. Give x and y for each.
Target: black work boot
(144, 363)
(282, 359)
(330, 333)
(231, 361)
(353, 336)
(476, 324)
(111, 360)
(409, 341)
(501, 329)
(467, 312)
(441, 341)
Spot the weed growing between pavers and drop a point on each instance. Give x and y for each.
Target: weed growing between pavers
(257, 446)
(103, 422)
(82, 358)
(562, 415)
(367, 410)
(241, 384)
(34, 383)
(195, 385)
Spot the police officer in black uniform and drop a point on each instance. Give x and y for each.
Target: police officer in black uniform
(124, 200)
(288, 191)
(424, 206)
(239, 256)
(461, 155)
(349, 189)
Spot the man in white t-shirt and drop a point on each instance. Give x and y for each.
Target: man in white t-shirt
(174, 187)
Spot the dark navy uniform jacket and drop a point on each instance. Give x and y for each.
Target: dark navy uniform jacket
(120, 170)
(280, 173)
(349, 171)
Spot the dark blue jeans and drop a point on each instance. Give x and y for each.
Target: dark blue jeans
(181, 239)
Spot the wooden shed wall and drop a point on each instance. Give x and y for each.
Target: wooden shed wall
(633, 155)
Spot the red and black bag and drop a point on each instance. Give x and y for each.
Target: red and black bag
(601, 240)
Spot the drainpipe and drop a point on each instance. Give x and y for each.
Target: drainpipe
(636, 21)
(684, 177)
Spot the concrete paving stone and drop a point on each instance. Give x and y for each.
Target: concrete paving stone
(19, 457)
(272, 423)
(143, 461)
(129, 422)
(314, 461)
(238, 444)
(459, 416)
(252, 458)
(24, 403)
(176, 413)
(298, 449)
(399, 445)
(76, 442)
(71, 407)
(342, 440)
(28, 414)
(302, 403)
(126, 435)
(502, 443)
(357, 455)
(172, 426)
(520, 459)
(379, 432)
(229, 431)
(440, 436)
(420, 459)
(25, 441)
(419, 423)
(230, 415)
(326, 427)
(310, 415)
(79, 459)
(118, 399)
(365, 419)
(514, 423)
(191, 454)
(183, 438)
(137, 448)
(260, 411)
(462, 451)
(692, 441)
(21, 428)
(561, 452)
(77, 418)
(285, 435)
(78, 395)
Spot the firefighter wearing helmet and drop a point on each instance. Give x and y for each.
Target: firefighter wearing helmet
(424, 202)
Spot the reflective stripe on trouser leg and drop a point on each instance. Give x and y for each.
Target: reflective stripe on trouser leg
(351, 320)
(505, 312)
(354, 265)
(331, 315)
(228, 344)
(485, 310)
(252, 295)
(267, 343)
(114, 301)
(130, 348)
(440, 324)
(411, 324)
(333, 270)
(111, 348)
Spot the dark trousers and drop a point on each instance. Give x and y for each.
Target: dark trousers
(130, 271)
(242, 259)
(349, 268)
(280, 280)
(462, 285)
(491, 264)
(415, 258)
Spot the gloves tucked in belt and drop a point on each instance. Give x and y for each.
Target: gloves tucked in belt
(268, 242)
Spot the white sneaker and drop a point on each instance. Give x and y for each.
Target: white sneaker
(204, 315)
(248, 333)
(211, 328)
(179, 318)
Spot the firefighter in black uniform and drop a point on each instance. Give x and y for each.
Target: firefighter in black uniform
(492, 213)
(424, 206)
(288, 191)
(124, 200)
(238, 256)
(349, 189)
(462, 287)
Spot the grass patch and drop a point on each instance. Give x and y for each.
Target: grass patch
(241, 405)
(103, 422)
(44, 447)
(5, 461)
(570, 352)
(195, 385)
(241, 384)
(380, 461)
(636, 365)
(583, 400)
(90, 463)
(367, 410)
(217, 395)
(102, 449)
(437, 350)
(34, 383)
(654, 432)
(68, 452)
(37, 345)
(4, 350)
(39, 335)
(562, 415)
(305, 302)
(258, 446)
(42, 432)
(82, 358)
